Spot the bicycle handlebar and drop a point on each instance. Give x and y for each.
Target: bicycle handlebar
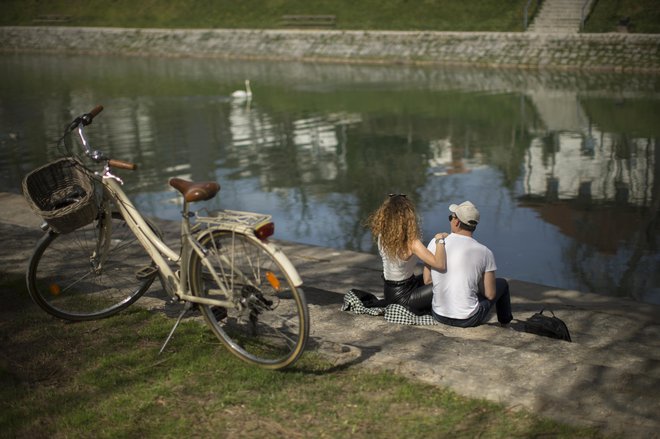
(86, 119)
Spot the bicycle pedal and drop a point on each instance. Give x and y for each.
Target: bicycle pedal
(146, 272)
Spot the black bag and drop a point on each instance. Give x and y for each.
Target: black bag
(546, 326)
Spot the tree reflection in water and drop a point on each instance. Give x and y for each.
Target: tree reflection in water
(563, 166)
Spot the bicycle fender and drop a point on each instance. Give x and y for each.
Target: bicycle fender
(290, 269)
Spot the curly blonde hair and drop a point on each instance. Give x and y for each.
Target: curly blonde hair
(395, 221)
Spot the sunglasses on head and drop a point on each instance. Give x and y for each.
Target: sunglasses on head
(398, 195)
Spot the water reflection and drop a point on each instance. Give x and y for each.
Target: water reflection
(564, 167)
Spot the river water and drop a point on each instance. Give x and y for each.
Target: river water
(564, 167)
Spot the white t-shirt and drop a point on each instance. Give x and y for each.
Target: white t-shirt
(455, 291)
(396, 269)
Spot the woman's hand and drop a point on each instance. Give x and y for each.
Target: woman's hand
(441, 235)
(438, 261)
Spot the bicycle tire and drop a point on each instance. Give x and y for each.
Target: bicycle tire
(269, 322)
(61, 278)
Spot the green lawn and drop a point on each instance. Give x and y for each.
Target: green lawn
(106, 379)
(642, 16)
(437, 15)
(476, 15)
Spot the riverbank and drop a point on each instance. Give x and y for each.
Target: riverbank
(604, 378)
(619, 52)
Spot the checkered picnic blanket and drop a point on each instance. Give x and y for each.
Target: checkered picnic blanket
(392, 313)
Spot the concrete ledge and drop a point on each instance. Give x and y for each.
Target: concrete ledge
(615, 51)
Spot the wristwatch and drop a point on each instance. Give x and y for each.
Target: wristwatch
(440, 241)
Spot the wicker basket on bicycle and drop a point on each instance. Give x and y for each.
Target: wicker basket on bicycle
(63, 194)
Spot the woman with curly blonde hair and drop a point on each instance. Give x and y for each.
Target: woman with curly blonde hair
(395, 227)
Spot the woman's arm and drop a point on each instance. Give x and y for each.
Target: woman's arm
(438, 260)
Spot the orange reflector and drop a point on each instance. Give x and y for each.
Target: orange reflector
(273, 280)
(54, 289)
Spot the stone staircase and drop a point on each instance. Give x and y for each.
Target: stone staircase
(559, 16)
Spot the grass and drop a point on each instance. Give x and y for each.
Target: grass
(439, 15)
(643, 16)
(106, 379)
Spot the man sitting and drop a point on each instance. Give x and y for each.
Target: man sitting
(465, 292)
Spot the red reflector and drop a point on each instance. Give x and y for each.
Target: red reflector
(265, 231)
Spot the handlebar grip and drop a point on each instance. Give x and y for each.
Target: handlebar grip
(95, 111)
(87, 118)
(122, 165)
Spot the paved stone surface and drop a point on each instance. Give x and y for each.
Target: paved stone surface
(607, 378)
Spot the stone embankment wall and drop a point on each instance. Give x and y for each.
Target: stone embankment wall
(618, 52)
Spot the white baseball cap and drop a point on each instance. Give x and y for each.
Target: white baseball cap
(466, 212)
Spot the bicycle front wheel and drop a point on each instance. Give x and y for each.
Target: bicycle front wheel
(89, 274)
(268, 322)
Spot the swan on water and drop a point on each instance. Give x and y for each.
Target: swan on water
(243, 94)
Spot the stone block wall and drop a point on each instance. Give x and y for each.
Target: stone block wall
(618, 52)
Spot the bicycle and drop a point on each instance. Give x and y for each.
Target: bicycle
(247, 290)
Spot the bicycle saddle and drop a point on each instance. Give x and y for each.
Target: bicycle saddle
(195, 191)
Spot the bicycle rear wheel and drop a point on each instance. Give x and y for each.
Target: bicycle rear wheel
(76, 277)
(268, 324)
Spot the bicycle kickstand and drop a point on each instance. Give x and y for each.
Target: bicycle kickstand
(186, 308)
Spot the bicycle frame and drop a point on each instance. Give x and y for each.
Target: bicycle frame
(177, 285)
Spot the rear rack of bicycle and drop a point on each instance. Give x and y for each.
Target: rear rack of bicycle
(235, 219)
